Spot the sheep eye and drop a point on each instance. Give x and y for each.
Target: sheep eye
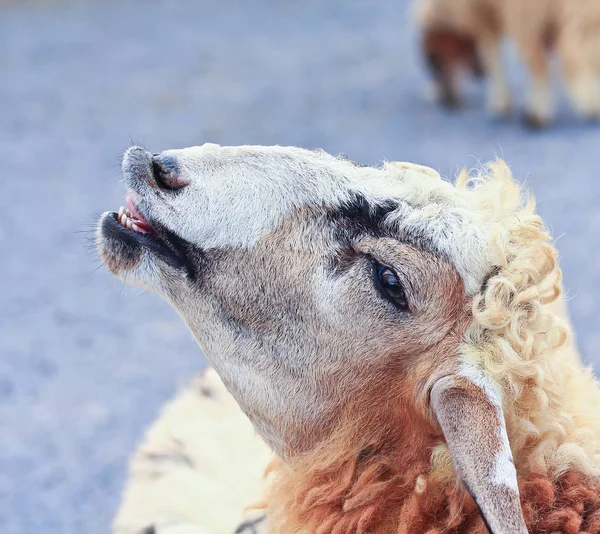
(390, 286)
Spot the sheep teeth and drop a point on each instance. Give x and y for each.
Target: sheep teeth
(125, 219)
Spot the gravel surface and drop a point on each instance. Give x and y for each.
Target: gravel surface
(85, 364)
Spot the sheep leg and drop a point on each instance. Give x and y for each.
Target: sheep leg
(539, 106)
(584, 90)
(477, 65)
(446, 88)
(499, 102)
(583, 80)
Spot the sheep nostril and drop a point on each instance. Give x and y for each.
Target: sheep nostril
(160, 175)
(165, 173)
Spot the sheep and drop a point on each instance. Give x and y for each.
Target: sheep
(397, 341)
(453, 30)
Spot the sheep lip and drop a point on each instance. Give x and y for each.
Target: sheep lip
(125, 246)
(114, 228)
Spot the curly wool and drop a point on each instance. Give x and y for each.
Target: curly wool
(390, 480)
(520, 340)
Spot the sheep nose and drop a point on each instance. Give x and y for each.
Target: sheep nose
(165, 173)
(160, 171)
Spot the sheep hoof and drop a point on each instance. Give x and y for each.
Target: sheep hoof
(451, 102)
(500, 114)
(477, 69)
(500, 107)
(533, 122)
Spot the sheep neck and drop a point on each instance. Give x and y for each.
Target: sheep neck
(374, 474)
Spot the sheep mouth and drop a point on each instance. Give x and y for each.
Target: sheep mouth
(131, 226)
(130, 217)
(124, 237)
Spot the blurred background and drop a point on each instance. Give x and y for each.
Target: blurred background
(85, 364)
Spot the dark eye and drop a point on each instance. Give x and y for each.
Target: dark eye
(390, 286)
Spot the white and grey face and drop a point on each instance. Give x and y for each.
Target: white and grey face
(301, 275)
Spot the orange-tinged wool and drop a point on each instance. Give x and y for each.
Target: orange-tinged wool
(396, 499)
(385, 469)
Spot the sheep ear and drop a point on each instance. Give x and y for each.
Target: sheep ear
(468, 408)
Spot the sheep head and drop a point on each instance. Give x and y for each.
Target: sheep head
(328, 295)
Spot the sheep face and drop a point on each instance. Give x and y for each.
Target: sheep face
(292, 268)
(307, 280)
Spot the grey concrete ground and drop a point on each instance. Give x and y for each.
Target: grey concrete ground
(86, 364)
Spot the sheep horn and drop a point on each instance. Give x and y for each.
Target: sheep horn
(468, 408)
